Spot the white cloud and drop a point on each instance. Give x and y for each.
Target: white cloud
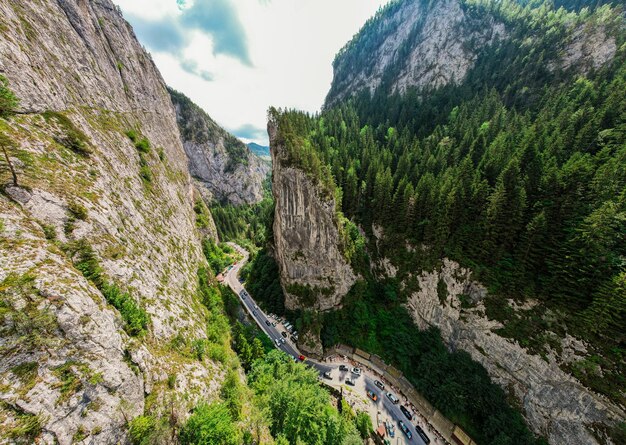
(291, 45)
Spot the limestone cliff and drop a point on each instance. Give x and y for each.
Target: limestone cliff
(223, 166)
(313, 271)
(413, 43)
(428, 45)
(555, 404)
(103, 189)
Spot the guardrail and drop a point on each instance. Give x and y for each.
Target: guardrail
(450, 432)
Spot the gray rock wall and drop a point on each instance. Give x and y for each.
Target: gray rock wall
(235, 176)
(306, 238)
(81, 59)
(555, 404)
(443, 40)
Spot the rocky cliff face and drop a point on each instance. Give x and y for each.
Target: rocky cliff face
(413, 43)
(223, 166)
(313, 271)
(427, 45)
(555, 404)
(100, 165)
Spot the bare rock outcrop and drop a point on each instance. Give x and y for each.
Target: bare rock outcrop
(416, 43)
(313, 271)
(224, 167)
(555, 404)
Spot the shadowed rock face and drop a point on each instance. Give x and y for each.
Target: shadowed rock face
(555, 404)
(313, 271)
(65, 356)
(224, 167)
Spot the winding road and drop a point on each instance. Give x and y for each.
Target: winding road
(381, 410)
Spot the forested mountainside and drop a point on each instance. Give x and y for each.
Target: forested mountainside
(489, 204)
(222, 165)
(259, 150)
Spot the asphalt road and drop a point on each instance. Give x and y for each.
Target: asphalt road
(259, 316)
(393, 411)
(384, 405)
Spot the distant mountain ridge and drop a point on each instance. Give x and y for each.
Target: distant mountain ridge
(224, 167)
(261, 151)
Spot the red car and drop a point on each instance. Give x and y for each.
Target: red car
(302, 357)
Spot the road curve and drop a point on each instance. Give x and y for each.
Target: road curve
(384, 407)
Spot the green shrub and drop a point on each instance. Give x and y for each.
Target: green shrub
(145, 173)
(27, 429)
(72, 138)
(203, 217)
(210, 425)
(364, 424)
(143, 145)
(171, 381)
(26, 372)
(80, 434)
(49, 232)
(216, 257)
(132, 135)
(199, 348)
(8, 101)
(136, 319)
(77, 210)
(232, 393)
(70, 381)
(140, 429)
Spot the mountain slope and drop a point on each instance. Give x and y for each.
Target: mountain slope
(492, 207)
(100, 251)
(222, 164)
(260, 150)
(427, 45)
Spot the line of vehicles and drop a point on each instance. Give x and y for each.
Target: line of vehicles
(356, 372)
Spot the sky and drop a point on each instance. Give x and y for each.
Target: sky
(235, 58)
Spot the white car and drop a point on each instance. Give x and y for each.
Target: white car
(393, 398)
(356, 371)
(277, 342)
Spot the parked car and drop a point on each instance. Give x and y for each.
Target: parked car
(294, 338)
(284, 334)
(405, 430)
(379, 384)
(343, 368)
(350, 381)
(372, 396)
(406, 412)
(356, 371)
(273, 324)
(391, 430)
(327, 375)
(422, 434)
(393, 398)
(268, 323)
